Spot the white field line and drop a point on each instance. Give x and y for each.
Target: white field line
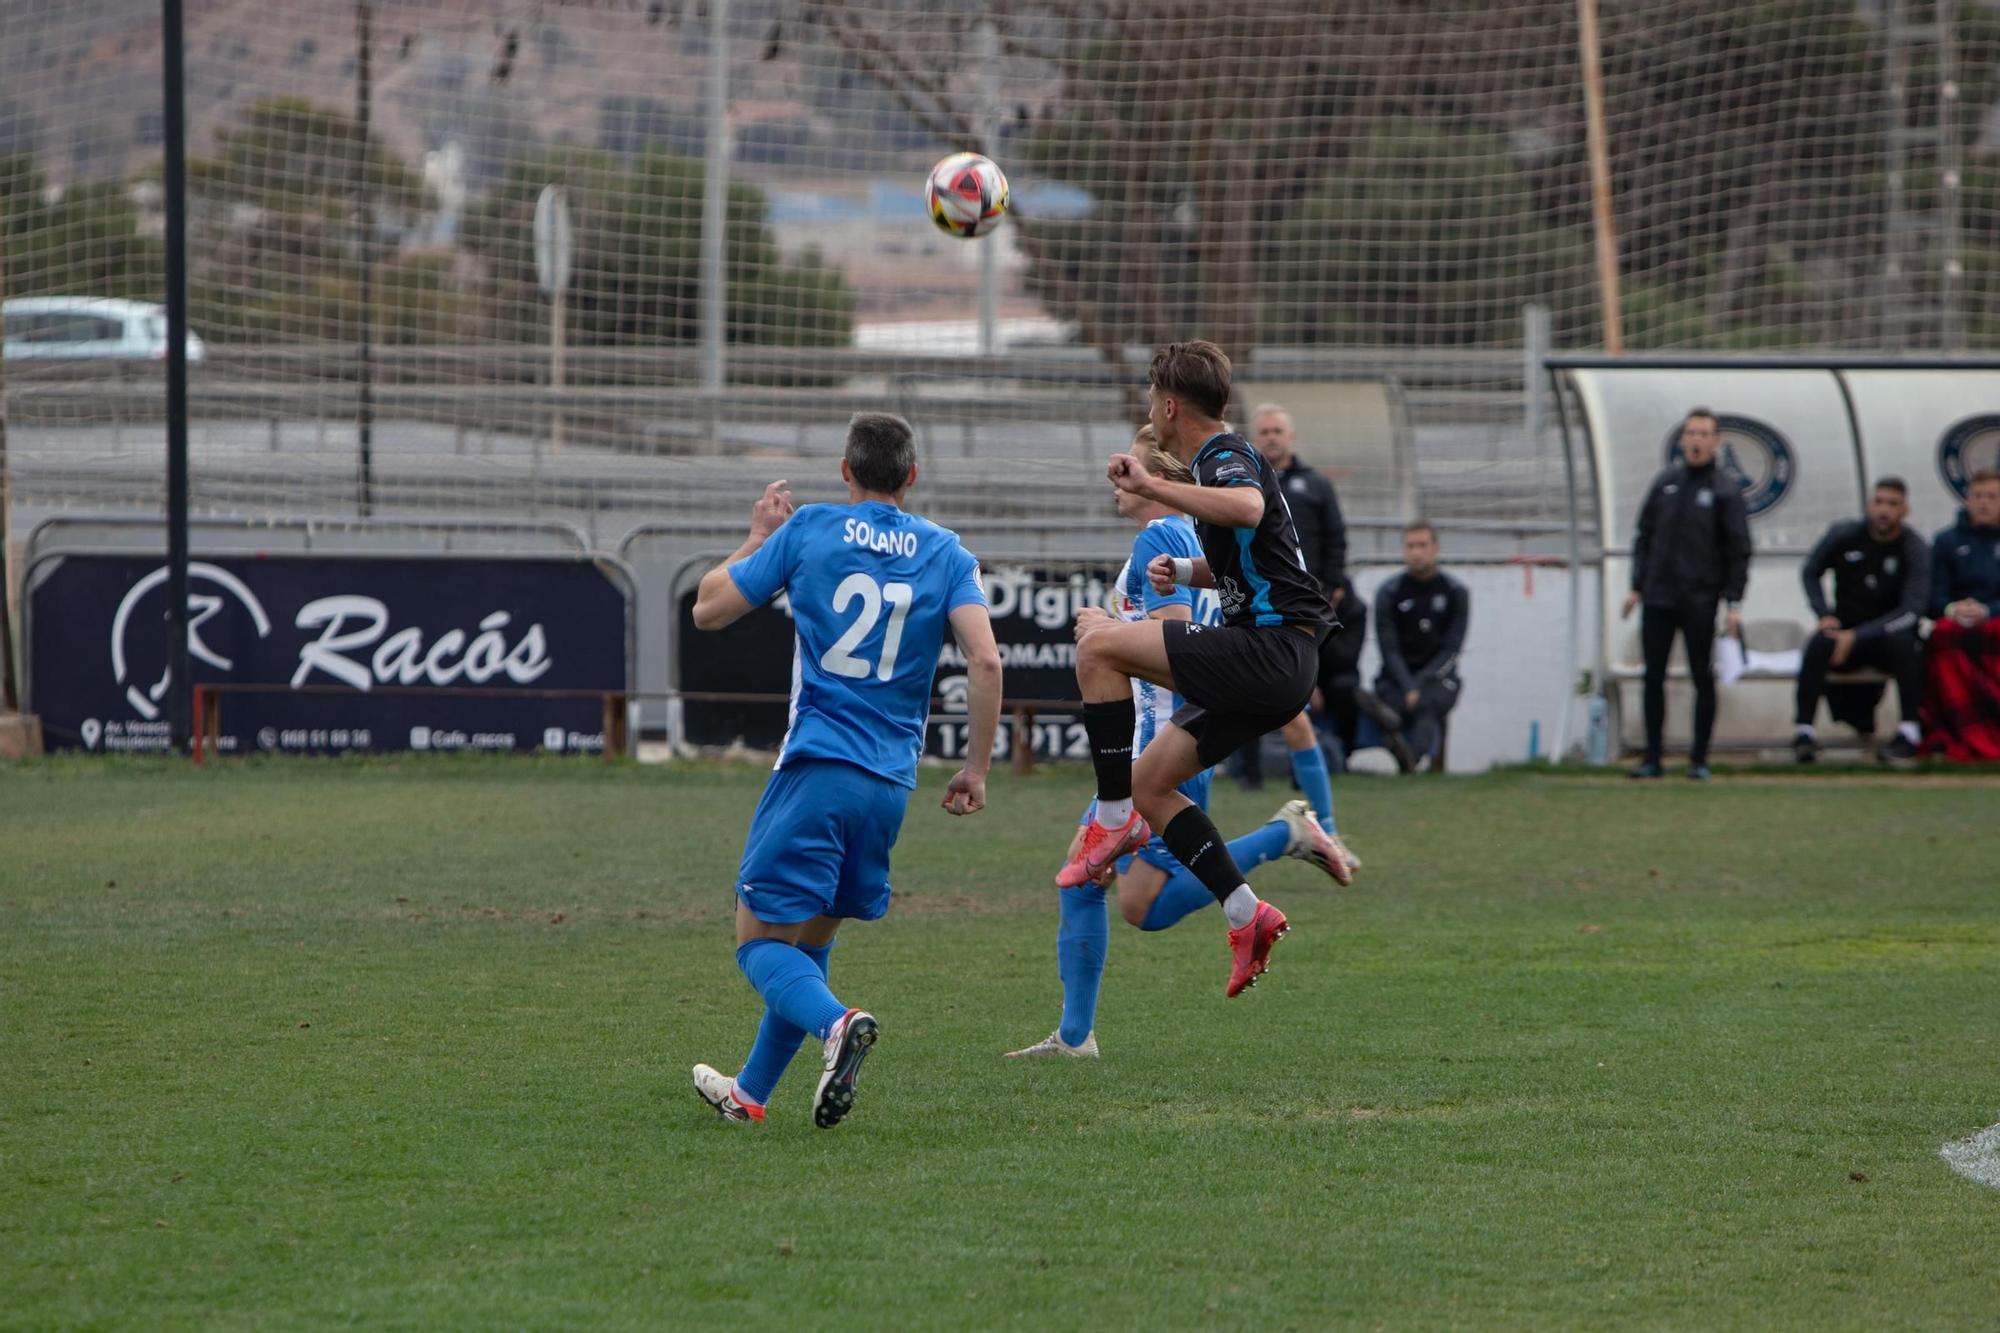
(1976, 1158)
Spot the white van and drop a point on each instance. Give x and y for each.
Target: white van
(76, 328)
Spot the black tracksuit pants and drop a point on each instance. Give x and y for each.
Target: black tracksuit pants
(1695, 622)
(1895, 654)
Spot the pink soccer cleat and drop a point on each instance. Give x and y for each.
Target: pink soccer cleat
(1250, 947)
(1099, 849)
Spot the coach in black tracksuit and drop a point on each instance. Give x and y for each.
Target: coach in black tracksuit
(1691, 550)
(1881, 577)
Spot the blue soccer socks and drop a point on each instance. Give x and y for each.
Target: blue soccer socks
(778, 1040)
(1081, 940)
(789, 980)
(1309, 771)
(1261, 845)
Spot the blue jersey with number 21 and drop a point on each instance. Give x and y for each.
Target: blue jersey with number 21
(871, 589)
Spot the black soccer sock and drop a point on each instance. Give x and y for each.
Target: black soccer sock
(1192, 838)
(1110, 726)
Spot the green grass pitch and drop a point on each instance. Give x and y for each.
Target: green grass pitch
(406, 1043)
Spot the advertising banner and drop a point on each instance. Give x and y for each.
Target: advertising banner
(332, 633)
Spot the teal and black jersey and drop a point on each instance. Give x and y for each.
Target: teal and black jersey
(1259, 574)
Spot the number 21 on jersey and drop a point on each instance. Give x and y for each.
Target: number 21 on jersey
(840, 660)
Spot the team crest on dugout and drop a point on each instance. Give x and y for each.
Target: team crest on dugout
(1969, 447)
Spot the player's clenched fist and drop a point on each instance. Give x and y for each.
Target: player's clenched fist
(964, 794)
(1091, 619)
(1160, 573)
(773, 507)
(1127, 475)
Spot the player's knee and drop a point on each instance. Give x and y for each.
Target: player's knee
(1151, 785)
(1094, 653)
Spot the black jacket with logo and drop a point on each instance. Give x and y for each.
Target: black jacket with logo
(1878, 587)
(1316, 517)
(1965, 562)
(1420, 627)
(1693, 539)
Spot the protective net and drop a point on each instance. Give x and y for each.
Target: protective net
(1359, 202)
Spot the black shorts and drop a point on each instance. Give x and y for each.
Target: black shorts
(1239, 681)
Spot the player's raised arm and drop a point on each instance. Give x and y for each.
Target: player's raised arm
(973, 628)
(1226, 506)
(728, 592)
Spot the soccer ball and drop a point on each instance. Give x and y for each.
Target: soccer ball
(966, 195)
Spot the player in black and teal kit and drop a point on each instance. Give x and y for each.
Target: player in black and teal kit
(1250, 675)
(1155, 892)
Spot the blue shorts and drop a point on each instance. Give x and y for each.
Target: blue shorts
(1155, 852)
(819, 843)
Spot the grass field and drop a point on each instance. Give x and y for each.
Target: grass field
(407, 1044)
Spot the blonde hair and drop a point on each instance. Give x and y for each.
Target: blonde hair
(1156, 460)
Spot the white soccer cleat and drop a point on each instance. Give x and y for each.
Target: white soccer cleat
(719, 1091)
(1314, 845)
(846, 1046)
(1053, 1044)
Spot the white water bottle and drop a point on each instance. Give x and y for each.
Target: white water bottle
(1599, 746)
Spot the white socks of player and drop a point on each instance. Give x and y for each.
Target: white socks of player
(1908, 731)
(1114, 814)
(1239, 906)
(1805, 729)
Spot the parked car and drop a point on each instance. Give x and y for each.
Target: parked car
(76, 328)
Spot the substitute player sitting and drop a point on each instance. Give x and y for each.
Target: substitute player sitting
(1154, 891)
(1249, 675)
(871, 590)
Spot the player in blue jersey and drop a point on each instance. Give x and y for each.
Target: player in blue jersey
(1154, 890)
(872, 589)
(1252, 674)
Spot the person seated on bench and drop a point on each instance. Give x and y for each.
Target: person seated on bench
(1420, 620)
(1881, 580)
(1962, 681)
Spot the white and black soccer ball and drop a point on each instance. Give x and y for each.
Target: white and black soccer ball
(966, 195)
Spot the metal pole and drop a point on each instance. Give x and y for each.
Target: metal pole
(558, 338)
(10, 694)
(1895, 73)
(364, 419)
(175, 106)
(1571, 634)
(1534, 350)
(1951, 268)
(1605, 225)
(985, 57)
(715, 220)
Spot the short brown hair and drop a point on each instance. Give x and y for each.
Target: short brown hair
(1197, 371)
(1892, 484)
(881, 450)
(1705, 414)
(1420, 525)
(1984, 474)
